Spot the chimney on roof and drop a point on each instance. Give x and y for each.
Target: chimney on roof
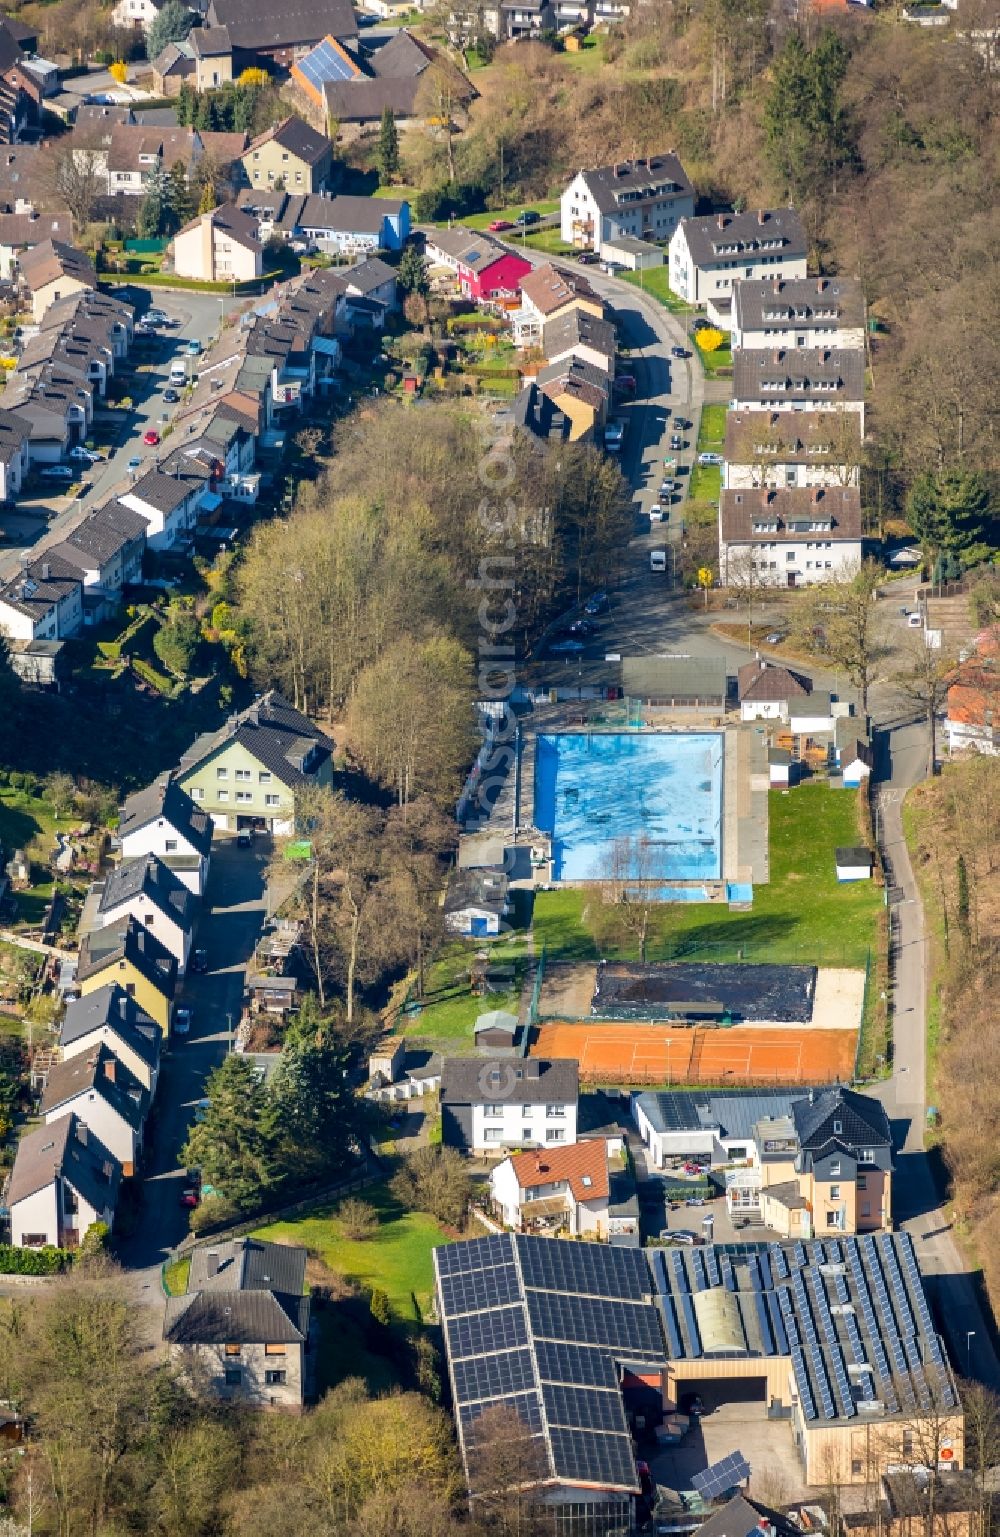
(212, 1262)
(776, 285)
(721, 221)
(110, 1068)
(761, 216)
(81, 1132)
(123, 1005)
(776, 355)
(817, 495)
(532, 1068)
(46, 571)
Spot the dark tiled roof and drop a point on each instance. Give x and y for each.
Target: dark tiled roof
(657, 177)
(248, 1264)
(150, 879)
(768, 682)
(13, 433)
(128, 940)
(792, 512)
(243, 1318)
(720, 237)
(53, 259)
(112, 1006)
(364, 101)
(353, 215)
(473, 249)
(277, 735)
(476, 888)
(863, 1121)
(69, 1148)
(210, 42)
(107, 530)
(550, 288)
(479, 1080)
(368, 275)
(295, 136)
(29, 229)
(742, 1516)
(98, 1072)
(802, 302)
(234, 222)
(166, 801)
(793, 437)
(538, 413)
(578, 327)
(403, 57)
(164, 492)
(798, 373)
(265, 24)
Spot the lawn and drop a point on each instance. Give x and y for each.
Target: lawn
(445, 1016)
(802, 915)
(483, 220)
(548, 240)
(712, 431)
(175, 1276)
(706, 479)
(714, 362)
(706, 482)
(655, 282)
(587, 59)
(397, 1259)
(28, 822)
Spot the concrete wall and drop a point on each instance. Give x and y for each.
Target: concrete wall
(209, 1364)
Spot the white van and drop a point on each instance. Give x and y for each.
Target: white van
(178, 373)
(657, 560)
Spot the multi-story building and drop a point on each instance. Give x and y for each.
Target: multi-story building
(128, 954)
(290, 155)
(798, 312)
(799, 379)
(784, 449)
(645, 199)
(710, 255)
(493, 1105)
(63, 1181)
(789, 538)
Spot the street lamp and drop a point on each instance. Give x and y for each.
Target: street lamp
(969, 1337)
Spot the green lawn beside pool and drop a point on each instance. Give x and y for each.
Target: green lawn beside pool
(802, 915)
(396, 1259)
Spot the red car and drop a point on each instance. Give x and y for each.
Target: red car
(499, 224)
(151, 438)
(190, 1199)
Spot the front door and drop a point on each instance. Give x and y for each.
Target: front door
(791, 578)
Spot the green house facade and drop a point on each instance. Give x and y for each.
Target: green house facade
(252, 772)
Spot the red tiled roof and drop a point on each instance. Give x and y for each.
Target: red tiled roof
(584, 1166)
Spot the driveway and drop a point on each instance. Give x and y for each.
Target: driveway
(236, 904)
(44, 519)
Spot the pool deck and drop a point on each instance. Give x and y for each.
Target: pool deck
(744, 786)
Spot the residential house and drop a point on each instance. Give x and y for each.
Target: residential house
(14, 438)
(145, 889)
(791, 448)
(19, 167)
(490, 1106)
(483, 267)
(242, 1325)
(138, 152)
(278, 31)
(851, 753)
(580, 392)
(163, 820)
(51, 270)
(520, 19)
(56, 403)
(577, 334)
(798, 312)
(549, 293)
(219, 247)
(44, 602)
(535, 412)
(110, 1017)
(765, 689)
(130, 955)
(373, 279)
(168, 502)
(63, 1181)
(250, 773)
(20, 232)
(204, 59)
(709, 255)
(789, 538)
(803, 1162)
(643, 199)
(973, 719)
(290, 155)
(558, 1189)
(800, 379)
(476, 903)
(356, 89)
(343, 223)
(106, 552)
(135, 15)
(100, 1090)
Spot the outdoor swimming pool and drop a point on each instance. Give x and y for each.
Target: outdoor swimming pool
(651, 801)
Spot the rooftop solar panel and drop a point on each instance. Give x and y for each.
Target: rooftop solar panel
(598, 1269)
(625, 1326)
(766, 1340)
(593, 1459)
(777, 1323)
(803, 1384)
(323, 63)
(722, 1477)
(765, 1270)
(584, 1409)
(476, 1377)
(576, 1365)
(471, 1291)
(690, 1324)
(780, 1261)
(479, 1334)
(497, 1249)
(525, 1405)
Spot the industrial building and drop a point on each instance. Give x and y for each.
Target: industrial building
(835, 1336)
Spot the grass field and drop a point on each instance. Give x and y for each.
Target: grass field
(655, 282)
(802, 915)
(706, 479)
(397, 1259)
(175, 1277)
(445, 1016)
(483, 220)
(714, 362)
(586, 60)
(28, 822)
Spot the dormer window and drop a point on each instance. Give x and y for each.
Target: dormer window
(838, 1127)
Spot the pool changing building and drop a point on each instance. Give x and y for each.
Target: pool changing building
(835, 1334)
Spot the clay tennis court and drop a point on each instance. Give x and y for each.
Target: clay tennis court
(656, 1054)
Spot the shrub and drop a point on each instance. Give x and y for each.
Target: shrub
(380, 1309)
(47, 1261)
(359, 1219)
(149, 674)
(709, 339)
(214, 1211)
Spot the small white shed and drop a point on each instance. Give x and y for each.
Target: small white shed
(854, 864)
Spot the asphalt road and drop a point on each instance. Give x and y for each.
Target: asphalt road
(198, 317)
(235, 907)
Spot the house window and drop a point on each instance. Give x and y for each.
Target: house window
(222, 773)
(34, 1240)
(555, 1134)
(274, 1378)
(232, 1350)
(866, 1155)
(838, 1126)
(834, 1192)
(862, 1182)
(170, 846)
(197, 793)
(493, 1134)
(272, 800)
(866, 1208)
(234, 1376)
(907, 1443)
(243, 774)
(223, 795)
(243, 797)
(264, 777)
(555, 1112)
(835, 1168)
(493, 1110)
(855, 1467)
(274, 1350)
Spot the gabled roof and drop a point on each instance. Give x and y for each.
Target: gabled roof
(68, 1148)
(799, 373)
(551, 288)
(131, 141)
(347, 214)
(265, 24)
(13, 433)
(805, 303)
(474, 249)
(793, 437)
(107, 530)
(476, 888)
(223, 148)
(277, 735)
(402, 57)
(742, 1517)
(577, 327)
(149, 879)
(248, 1264)
(763, 682)
(53, 259)
(583, 1166)
(479, 1080)
(98, 1072)
(631, 182)
(719, 236)
(862, 1120)
(796, 513)
(112, 1007)
(30, 229)
(366, 276)
(538, 414)
(362, 101)
(211, 43)
(128, 941)
(165, 801)
(295, 136)
(241, 1291)
(231, 221)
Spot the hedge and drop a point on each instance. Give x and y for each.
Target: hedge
(149, 674)
(47, 1261)
(171, 280)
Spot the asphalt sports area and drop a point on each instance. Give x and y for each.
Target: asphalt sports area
(641, 1053)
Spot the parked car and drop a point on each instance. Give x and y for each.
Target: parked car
(656, 513)
(625, 382)
(135, 462)
(709, 458)
(679, 352)
(190, 1198)
(182, 1020)
(681, 423)
(171, 397)
(157, 317)
(569, 644)
(61, 472)
(83, 455)
(676, 442)
(775, 638)
(500, 224)
(528, 216)
(597, 603)
(691, 1167)
(582, 627)
(244, 838)
(612, 268)
(695, 1200)
(151, 437)
(667, 486)
(588, 258)
(198, 962)
(680, 1235)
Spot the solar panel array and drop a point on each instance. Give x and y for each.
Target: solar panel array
(323, 63)
(722, 1477)
(546, 1328)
